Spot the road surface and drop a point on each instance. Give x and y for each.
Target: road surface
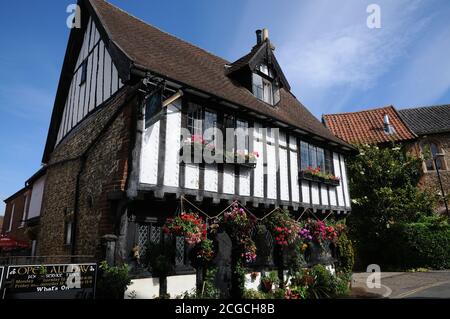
(432, 284)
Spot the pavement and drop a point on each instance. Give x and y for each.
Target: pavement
(401, 285)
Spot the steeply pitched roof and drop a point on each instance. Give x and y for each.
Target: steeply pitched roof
(428, 119)
(368, 126)
(165, 55)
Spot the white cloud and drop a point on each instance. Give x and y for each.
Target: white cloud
(427, 76)
(332, 54)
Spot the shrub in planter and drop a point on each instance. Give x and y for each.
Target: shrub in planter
(112, 281)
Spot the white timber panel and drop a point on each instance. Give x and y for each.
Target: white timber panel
(258, 188)
(315, 193)
(149, 155)
(337, 172)
(305, 192)
(115, 79)
(284, 179)
(228, 179)
(102, 81)
(192, 176)
(107, 75)
(333, 196)
(271, 168)
(344, 181)
(173, 144)
(101, 63)
(295, 187)
(324, 194)
(211, 178)
(244, 182)
(92, 79)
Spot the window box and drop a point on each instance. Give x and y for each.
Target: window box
(307, 176)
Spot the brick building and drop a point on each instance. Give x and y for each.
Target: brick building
(16, 214)
(22, 213)
(112, 171)
(422, 130)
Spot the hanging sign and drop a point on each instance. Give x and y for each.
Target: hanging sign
(60, 281)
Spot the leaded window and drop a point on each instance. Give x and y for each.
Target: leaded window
(433, 162)
(315, 157)
(194, 120)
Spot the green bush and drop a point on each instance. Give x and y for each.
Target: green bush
(112, 281)
(384, 192)
(422, 244)
(345, 254)
(254, 294)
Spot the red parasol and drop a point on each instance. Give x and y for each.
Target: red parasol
(10, 243)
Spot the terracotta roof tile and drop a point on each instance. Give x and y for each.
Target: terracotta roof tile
(368, 126)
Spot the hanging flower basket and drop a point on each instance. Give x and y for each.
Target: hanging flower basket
(283, 228)
(189, 225)
(238, 224)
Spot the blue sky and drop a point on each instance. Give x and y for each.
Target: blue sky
(333, 61)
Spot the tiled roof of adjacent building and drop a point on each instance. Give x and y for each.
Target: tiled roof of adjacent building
(368, 126)
(428, 119)
(165, 55)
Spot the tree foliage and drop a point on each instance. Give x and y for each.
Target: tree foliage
(383, 187)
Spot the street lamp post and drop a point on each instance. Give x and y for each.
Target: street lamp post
(441, 155)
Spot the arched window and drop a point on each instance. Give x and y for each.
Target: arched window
(430, 149)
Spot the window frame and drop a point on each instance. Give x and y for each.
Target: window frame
(439, 149)
(266, 80)
(309, 151)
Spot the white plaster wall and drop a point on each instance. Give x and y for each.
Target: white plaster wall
(284, 180)
(305, 192)
(337, 172)
(211, 178)
(271, 172)
(149, 155)
(177, 285)
(173, 144)
(333, 196)
(102, 80)
(192, 176)
(228, 179)
(324, 194)
(148, 288)
(252, 283)
(315, 193)
(345, 182)
(258, 190)
(244, 182)
(36, 198)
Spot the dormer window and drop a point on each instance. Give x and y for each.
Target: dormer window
(265, 87)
